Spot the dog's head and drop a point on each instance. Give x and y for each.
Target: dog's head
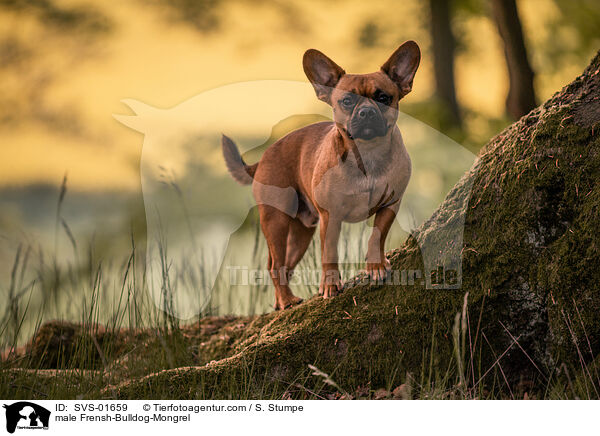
(364, 105)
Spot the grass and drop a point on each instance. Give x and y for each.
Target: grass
(109, 330)
(139, 339)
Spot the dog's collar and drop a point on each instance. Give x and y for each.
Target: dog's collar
(346, 131)
(357, 156)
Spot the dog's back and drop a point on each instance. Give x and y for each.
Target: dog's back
(282, 162)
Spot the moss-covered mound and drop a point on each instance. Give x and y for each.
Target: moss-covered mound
(525, 317)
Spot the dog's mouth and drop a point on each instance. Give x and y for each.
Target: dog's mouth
(367, 130)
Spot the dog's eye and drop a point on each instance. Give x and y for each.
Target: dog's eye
(348, 101)
(382, 98)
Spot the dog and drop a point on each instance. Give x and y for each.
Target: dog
(333, 172)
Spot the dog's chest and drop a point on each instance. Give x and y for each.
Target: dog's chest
(359, 186)
(360, 197)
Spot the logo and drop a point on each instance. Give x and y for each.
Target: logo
(26, 415)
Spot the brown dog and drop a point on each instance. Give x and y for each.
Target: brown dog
(330, 172)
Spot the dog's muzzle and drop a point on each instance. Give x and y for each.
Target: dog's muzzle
(367, 123)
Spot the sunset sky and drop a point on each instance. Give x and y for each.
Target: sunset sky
(59, 87)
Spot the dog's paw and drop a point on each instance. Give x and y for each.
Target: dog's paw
(285, 303)
(328, 290)
(331, 283)
(378, 270)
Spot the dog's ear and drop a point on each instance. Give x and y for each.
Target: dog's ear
(402, 66)
(322, 72)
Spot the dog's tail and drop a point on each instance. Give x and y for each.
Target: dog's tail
(240, 171)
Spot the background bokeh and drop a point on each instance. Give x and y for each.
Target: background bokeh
(65, 66)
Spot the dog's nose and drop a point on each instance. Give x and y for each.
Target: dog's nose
(367, 113)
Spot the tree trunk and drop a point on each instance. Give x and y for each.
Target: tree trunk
(443, 58)
(521, 94)
(525, 314)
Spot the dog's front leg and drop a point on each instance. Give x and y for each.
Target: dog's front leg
(331, 282)
(377, 264)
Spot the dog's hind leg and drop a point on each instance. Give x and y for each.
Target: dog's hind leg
(298, 240)
(275, 226)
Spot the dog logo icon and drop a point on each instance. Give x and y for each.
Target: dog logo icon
(26, 415)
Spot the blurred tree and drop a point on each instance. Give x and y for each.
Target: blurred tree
(201, 14)
(572, 35)
(65, 17)
(368, 35)
(443, 58)
(29, 62)
(521, 94)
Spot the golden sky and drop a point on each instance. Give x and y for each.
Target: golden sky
(62, 98)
